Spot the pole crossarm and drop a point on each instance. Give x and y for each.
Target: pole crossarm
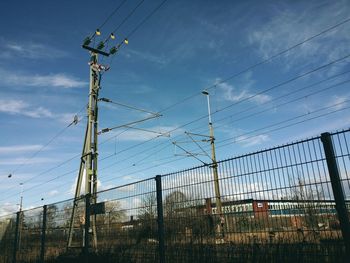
(124, 125)
(130, 107)
(189, 153)
(199, 146)
(166, 134)
(196, 134)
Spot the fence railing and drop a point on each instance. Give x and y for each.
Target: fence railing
(282, 204)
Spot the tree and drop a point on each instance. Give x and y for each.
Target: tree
(51, 214)
(147, 226)
(307, 199)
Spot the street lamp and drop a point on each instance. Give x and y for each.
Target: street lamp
(21, 199)
(214, 163)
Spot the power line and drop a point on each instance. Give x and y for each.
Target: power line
(252, 96)
(289, 125)
(75, 121)
(244, 70)
(145, 19)
(235, 138)
(286, 103)
(241, 135)
(263, 111)
(235, 103)
(247, 69)
(112, 14)
(264, 61)
(128, 16)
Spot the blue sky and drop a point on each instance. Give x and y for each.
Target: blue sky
(187, 46)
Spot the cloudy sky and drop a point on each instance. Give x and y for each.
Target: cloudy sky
(276, 71)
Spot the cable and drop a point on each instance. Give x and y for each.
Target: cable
(75, 121)
(128, 106)
(264, 61)
(254, 95)
(128, 16)
(259, 112)
(244, 70)
(112, 14)
(145, 19)
(278, 85)
(125, 19)
(288, 120)
(289, 125)
(285, 103)
(249, 68)
(281, 122)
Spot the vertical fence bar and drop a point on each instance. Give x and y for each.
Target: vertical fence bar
(43, 235)
(15, 243)
(87, 226)
(160, 219)
(337, 188)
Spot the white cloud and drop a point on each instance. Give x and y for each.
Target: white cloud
(248, 141)
(339, 102)
(233, 94)
(53, 193)
(19, 161)
(15, 149)
(289, 27)
(30, 50)
(147, 56)
(127, 188)
(8, 208)
(19, 107)
(60, 80)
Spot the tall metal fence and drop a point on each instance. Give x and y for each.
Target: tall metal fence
(281, 204)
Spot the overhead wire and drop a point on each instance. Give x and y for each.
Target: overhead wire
(264, 61)
(241, 135)
(251, 67)
(261, 92)
(252, 96)
(112, 14)
(128, 16)
(254, 114)
(280, 128)
(248, 116)
(24, 163)
(246, 69)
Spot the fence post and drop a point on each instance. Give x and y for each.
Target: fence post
(87, 226)
(338, 191)
(43, 235)
(15, 243)
(160, 219)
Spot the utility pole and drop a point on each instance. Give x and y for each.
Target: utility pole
(214, 166)
(89, 158)
(21, 198)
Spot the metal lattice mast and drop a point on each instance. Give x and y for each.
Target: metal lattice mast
(89, 158)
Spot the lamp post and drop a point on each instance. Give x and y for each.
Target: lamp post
(21, 197)
(214, 165)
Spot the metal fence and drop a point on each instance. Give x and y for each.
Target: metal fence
(282, 204)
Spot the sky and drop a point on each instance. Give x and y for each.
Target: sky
(185, 47)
